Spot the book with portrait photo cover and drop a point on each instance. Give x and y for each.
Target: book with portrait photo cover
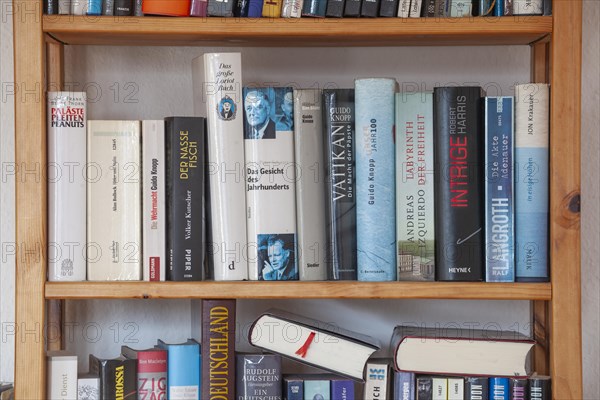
(312, 342)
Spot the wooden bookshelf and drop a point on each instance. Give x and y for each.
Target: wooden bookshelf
(299, 290)
(556, 58)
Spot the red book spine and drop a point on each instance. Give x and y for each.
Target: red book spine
(152, 374)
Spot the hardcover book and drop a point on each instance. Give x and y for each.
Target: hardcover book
(79, 7)
(183, 370)
(255, 8)
(108, 7)
(199, 8)
(94, 7)
(518, 389)
(270, 183)
(370, 8)
(456, 388)
(317, 389)
(66, 186)
(352, 8)
(528, 7)
(476, 388)
(459, 185)
(388, 8)
(375, 182)
(118, 377)
(335, 8)
(415, 8)
(258, 376)
(123, 7)
(499, 198)
(176, 8)
(241, 8)
(415, 223)
(377, 379)
(316, 343)
(439, 388)
(218, 348)
(342, 389)
(217, 79)
(151, 371)
(532, 114)
(154, 216)
(271, 8)
(540, 387)
(293, 387)
(310, 184)
(184, 145)
(292, 8)
(499, 389)
(461, 352)
(220, 8)
(50, 7)
(404, 385)
(64, 6)
(61, 375)
(424, 388)
(88, 387)
(340, 182)
(403, 8)
(314, 8)
(114, 204)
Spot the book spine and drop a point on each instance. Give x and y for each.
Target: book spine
(428, 9)
(499, 389)
(415, 230)
(404, 386)
(293, 389)
(123, 7)
(508, 7)
(459, 211)
(476, 388)
(528, 7)
(79, 7)
(218, 347)
(352, 8)
(137, 9)
(499, 199)
(94, 7)
(183, 370)
(375, 180)
(118, 378)
(222, 88)
(518, 389)
(62, 378)
(258, 373)
(108, 7)
(152, 374)
(403, 8)
(540, 388)
(424, 388)
(271, 8)
(498, 8)
(459, 8)
(370, 8)
(546, 7)
(531, 177)
(310, 185)
(415, 8)
(439, 388)
(184, 144)
(66, 186)
(376, 381)
(270, 188)
(255, 8)
(335, 8)
(388, 8)
(64, 6)
(317, 389)
(198, 8)
(220, 8)
(342, 389)
(340, 176)
(456, 389)
(50, 7)
(114, 201)
(314, 8)
(153, 202)
(241, 8)
(88, 389)
(293, 8)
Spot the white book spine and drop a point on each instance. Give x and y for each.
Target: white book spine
(310, 185)
(64, 6)
(291, 8)
(439, 388)
(88, 389)
(114, 201)
(456, 388)
(415, 8)
(376, 382)
(218, 78)
(270, 184)
(79, 7)
(66, 186)
(61, 377)
(153, 202)
(404, 9)
(528, 7)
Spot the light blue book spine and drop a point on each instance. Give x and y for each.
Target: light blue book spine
(499, 199)
(375, 179)
(94, 7)
(317, 390)
(499, 389)
(183, 370)
(531, 181)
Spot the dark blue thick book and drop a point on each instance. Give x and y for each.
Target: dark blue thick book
(254, 8)
(404, 385)
(499, 193)
(342, 389)
(499, 389)
(314, 8)
(293, 387)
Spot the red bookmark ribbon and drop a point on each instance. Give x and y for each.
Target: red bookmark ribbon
(302, 350)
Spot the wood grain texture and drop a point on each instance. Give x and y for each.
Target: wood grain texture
(297, 31)
(565, 250)
(30, 187)
(299, 290)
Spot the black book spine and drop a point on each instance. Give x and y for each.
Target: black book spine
(124, 7)
(424, 388)
(547, 10)
(340, 190)
(335, 8)
(118, 378)
(518, 389)
(388, 8)
(241, 8)
(428, 9)
(539, 388)
(258, 374)
(370, 8)
(476, 388)
(458, 182)
(50, 7)
(184, 145)
(352, 8)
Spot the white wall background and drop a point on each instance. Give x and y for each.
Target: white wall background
(153, 82)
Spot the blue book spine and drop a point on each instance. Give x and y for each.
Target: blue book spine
(499, 8)
(499, 389)
(531, 177)
(293, 389)
(375, 179)
(94, 7)
(404, 385)
(183, 370)
(314, 8)
(499, 199)
(317, 389)
(342, 389)
(255, 8)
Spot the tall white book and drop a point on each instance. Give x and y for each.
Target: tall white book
(217, 81)
(114, 201)
(66, 186)
(310, 184)
(61, 378)
(271, 183)
(153, 201)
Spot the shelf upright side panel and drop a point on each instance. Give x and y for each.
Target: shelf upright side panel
(31, 212)
(565, 250)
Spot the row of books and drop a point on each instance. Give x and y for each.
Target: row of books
(300, 8)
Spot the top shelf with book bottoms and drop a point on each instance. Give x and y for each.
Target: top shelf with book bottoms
(154, 31)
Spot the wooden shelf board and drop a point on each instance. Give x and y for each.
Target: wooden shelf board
(307, 290)
(107, 30)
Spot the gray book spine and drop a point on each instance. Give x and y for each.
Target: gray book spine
(108, 7)
(258, 376)
(220, 8)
